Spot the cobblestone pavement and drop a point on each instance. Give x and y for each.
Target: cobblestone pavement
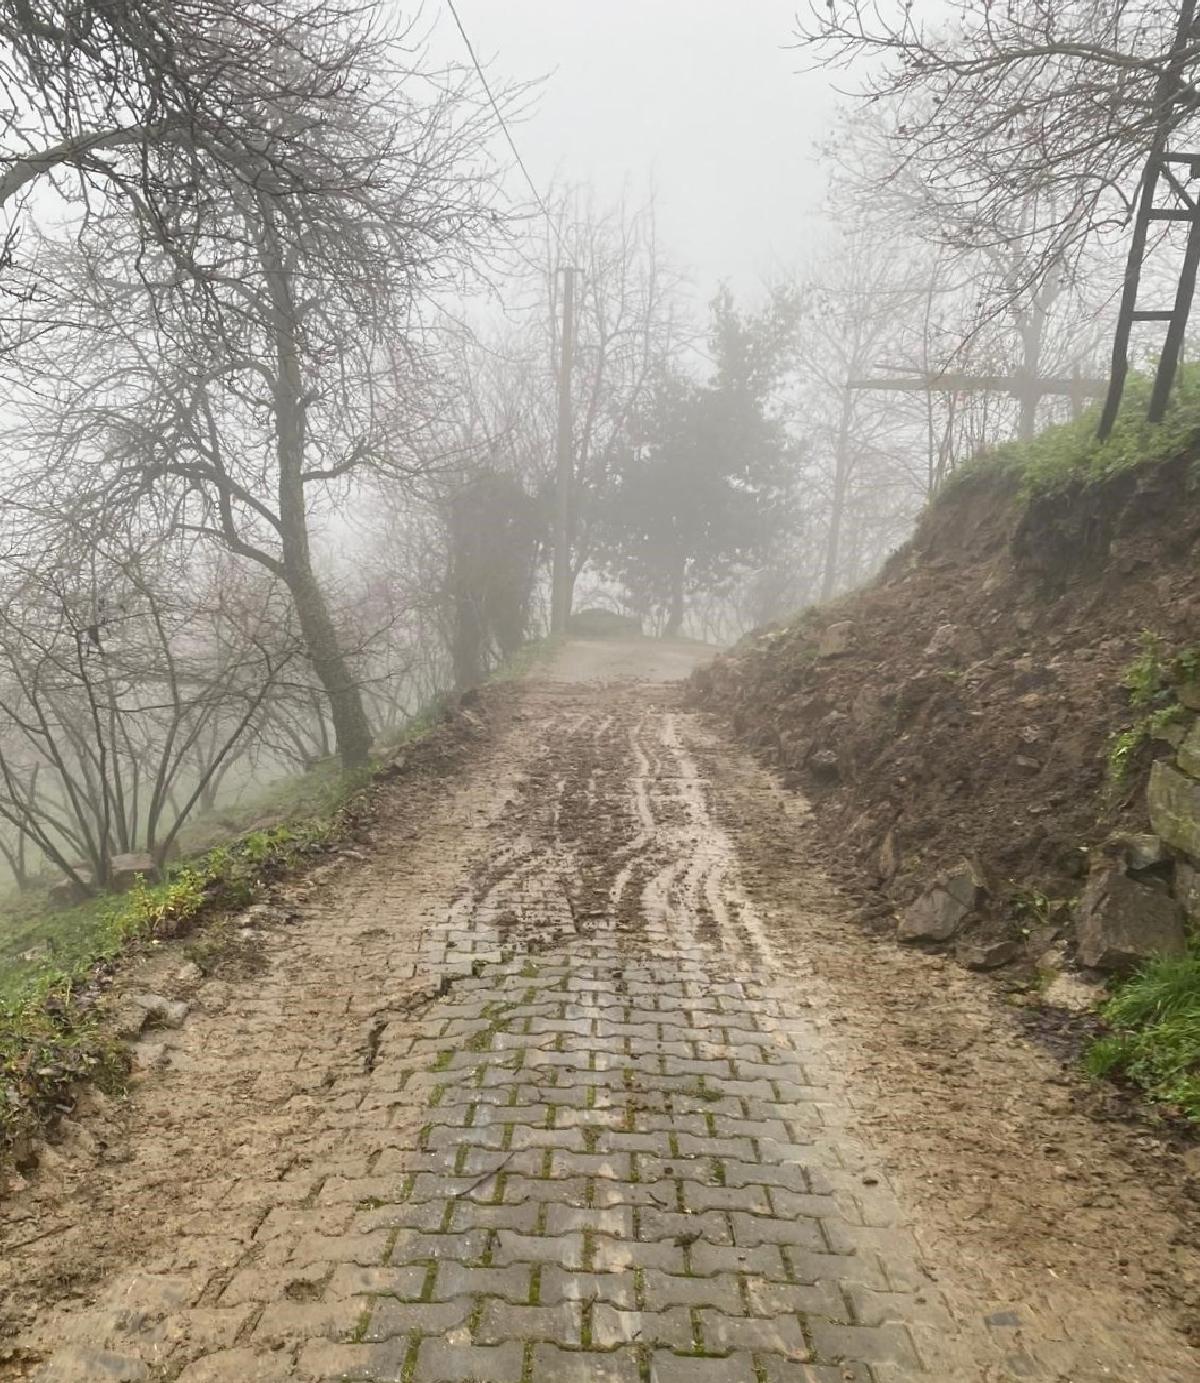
(611, 1150)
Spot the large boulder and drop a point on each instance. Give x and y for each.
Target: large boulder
(1174, 800)
(1187, 890)
(952, 641)
(941, 910)
(836, 640)
(1122, 922)
(1135, 851)
(127, 869)
(66, 893)
(1188, 757)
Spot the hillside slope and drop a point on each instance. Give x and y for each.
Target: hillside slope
(957, 722)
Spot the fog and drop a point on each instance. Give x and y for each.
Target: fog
(302, 435)
(704, 101)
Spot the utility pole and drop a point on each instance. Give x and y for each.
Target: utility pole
(560, 600)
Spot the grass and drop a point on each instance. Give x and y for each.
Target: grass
(36, 942)
(49, 1034)
(1070, 453)
(1154, 1037)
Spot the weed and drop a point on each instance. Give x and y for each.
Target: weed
(700, 1091)
(1154, 1040)
(1149, 679)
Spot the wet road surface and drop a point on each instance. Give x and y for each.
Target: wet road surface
(622, 1144)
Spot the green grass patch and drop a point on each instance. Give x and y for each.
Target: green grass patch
(1154, 1033)
(1070, 453)
(49, 1034)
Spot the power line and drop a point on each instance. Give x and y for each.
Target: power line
(512, 144)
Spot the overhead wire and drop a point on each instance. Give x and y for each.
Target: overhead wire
(499, 114)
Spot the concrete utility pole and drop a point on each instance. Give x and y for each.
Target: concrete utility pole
(560, 602)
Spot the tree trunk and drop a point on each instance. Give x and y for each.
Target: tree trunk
(351, 728)
(675, 617)
(350, 723)
(841, 484)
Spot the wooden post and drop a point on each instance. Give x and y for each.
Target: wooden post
(1166, 97)
(560, 603)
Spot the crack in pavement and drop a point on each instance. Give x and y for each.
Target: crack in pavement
(611, 1133)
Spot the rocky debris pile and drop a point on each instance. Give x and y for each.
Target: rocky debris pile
(954, 722)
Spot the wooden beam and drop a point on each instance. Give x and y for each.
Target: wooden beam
(975, 384)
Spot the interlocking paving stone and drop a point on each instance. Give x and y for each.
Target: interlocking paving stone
(611, 1151)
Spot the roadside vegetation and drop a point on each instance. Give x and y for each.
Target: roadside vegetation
(51, 1033)
(1154, 1037)
(1070, 453)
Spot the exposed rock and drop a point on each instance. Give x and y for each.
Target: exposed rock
(836, 640)
(189, 974)
(150, 1056)
(1026, 764)
(1188, 757)
(273, 915)
(471, 723)
(794, 748)
(136, 1012)
(1187, 890)
(824, 763)
(127, 869)
(953, 641)
(1122, 922)
(66, 893)
(1174, 800)
(1174, 733)
(1135, 850)
(889, 858)
(941, 910)
(1073, 993)
(1188, 694)
(989, 955)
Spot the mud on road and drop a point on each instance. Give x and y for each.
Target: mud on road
(673, 1115)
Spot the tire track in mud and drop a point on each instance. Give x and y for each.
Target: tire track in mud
(629, 1141)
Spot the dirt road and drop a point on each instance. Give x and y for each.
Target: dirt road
(673, 1117)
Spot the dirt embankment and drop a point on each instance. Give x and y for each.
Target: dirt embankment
(962, 707)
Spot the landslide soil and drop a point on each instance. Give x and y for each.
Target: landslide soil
(971, 712)
(1089, 1231)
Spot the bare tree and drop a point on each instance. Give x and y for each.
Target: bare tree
(1055, 102)
(264, 348)
(127, 682)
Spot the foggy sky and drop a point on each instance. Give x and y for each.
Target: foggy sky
(698, 98)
